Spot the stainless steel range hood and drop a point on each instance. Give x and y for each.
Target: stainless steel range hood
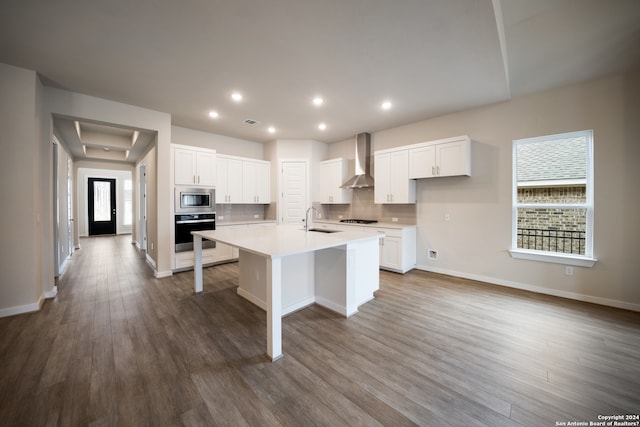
(362, 178)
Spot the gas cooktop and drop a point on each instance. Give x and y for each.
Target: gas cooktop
(359, 221)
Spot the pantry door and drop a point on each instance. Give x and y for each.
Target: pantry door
(293, 182)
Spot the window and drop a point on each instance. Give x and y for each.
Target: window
(553, 198)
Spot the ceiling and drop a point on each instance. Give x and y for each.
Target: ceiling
(427, 57)
(102, 142)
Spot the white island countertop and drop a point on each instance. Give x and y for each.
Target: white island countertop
(283, 240)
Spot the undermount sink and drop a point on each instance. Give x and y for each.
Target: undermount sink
(322, 230)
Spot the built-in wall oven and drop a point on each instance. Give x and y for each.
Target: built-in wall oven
(186, 223)
(195, 210)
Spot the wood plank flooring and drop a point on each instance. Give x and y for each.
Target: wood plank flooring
(119, 347)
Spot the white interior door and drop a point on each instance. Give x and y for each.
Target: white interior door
(142, 204)
(62, 209)
(294, 192)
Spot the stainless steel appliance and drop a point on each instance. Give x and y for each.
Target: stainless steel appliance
(186, 223)
(358, 221)
(194, 200)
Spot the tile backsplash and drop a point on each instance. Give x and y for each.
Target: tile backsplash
(363, 207)
(234, 213)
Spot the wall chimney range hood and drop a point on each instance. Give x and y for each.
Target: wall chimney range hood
(362, 177)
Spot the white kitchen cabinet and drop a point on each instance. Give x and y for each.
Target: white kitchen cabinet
(229, 180)
(255, 182)
(393, 185)
(333, 174)
(446, 157)
(397, 247)
(194, 166)
(185, 260)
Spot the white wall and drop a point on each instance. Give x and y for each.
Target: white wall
(222, 144)
(475, 242)
(20, 191)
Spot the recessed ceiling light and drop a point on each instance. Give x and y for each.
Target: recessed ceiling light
(322, 126)
(213, 114)
(318, 101)
(386, 105)
(236, 96)
(271, 129)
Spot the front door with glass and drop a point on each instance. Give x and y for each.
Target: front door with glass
(102, 206)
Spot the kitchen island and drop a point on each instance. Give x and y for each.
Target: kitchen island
(285, 268)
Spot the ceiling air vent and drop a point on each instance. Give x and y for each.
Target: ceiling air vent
(251, 122)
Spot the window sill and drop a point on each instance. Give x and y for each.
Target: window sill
(566, 259)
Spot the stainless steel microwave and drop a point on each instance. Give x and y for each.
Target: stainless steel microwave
(195, 200)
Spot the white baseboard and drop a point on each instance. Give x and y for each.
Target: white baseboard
(157, 274)
(533, 288)
(263, 305)
(150, 261)
(162, 274)
(252, 299)
(21, 309)
(51, 293)
(340, 309)
(297, 306)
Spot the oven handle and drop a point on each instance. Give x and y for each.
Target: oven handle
(195, 221)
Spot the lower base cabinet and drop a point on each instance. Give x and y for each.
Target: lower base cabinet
(397, 247)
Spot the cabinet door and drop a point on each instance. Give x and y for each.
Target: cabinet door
(222, 176)
(249, 179)
(263, 179)
(206, 168)
(382, 188)
(399, 183)
(452, 158)
(234, 181)
(184, 167)
(328, 172)
(391, 252)
(333, 175)
(422, 162)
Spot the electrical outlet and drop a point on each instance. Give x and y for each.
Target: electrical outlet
(220, 217)
(568, 270)
(340, 216)
(447, 217)
(394, 219)
(432, 254)
(256, 216)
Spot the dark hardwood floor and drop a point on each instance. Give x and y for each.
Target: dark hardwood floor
(119, 347)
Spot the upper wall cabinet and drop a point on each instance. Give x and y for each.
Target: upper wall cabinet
(255, 181)
(392, 183)
(333, 174)
(245, 181)
(229, 181)
(445, 157)
(194, 166)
